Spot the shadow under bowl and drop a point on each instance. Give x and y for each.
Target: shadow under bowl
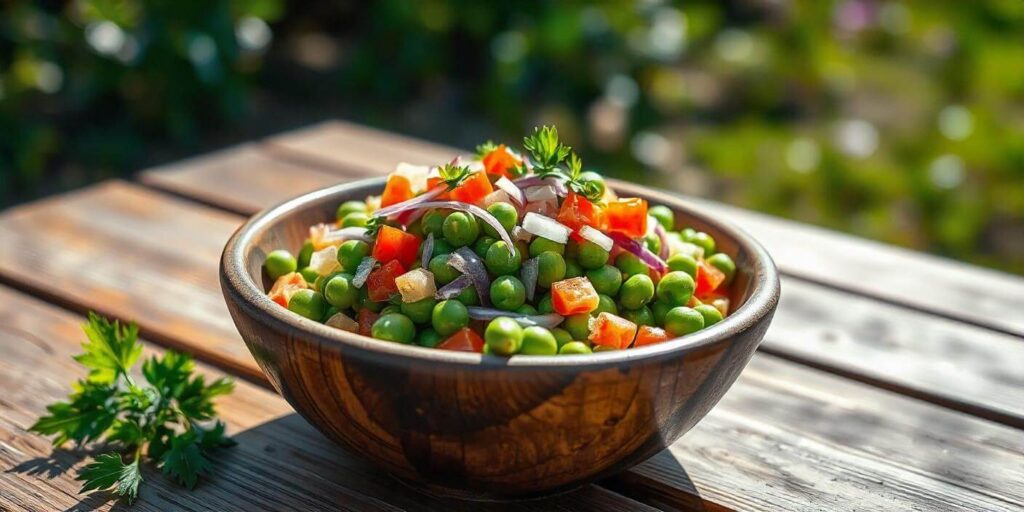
(483, 426)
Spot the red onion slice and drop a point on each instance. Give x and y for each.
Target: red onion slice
(454, 288)
(637, 249)
(471, 209)
(663, 236)
(531, 268)
(466, 261)
(363, 271)
(428, 250)
(349, 233)
(548, 321)
(411, 203)
(514, 193)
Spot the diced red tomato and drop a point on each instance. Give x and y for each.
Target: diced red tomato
(473, 189)
(612, 331)
(708, 278)
(578, 211)
(500, 162)
(573, 296)
(285, 287)
(628, 216)
(366, 318)
(395, 244)
(397, 189)
(381, 282)
(648, 335)
(464, 340)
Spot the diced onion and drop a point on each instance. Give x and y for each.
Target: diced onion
(511, 190)
(546, 321)
(541, 193)
(363, 271)
(498, 196)
(547, 207)
(325, 261)
(428, 250)
(597, 238)
(343, 322)
(416, 174)
(454, 288)
(416, 285)
(466, 261)
(534, 180)
(521, 235)
(546, 227)
(530, 271)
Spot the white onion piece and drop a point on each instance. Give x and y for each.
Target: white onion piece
(471, 209)
(514, 193)
(466, 261)
(546, 227)
(363, 271)
(454, 288)
(531, 268)
(534, 180)
(597, 238)
(428, 250)
(325, 261)
(416, 285)
(540, 193)
(547, 321)
(343, 234)
(416, 174)
(498, 196)
(521, 235)
(343, 322)
(637, 249)
(547, 207)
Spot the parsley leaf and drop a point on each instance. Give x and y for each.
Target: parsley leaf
(185, 460)
(483, 149)
(110, 471)
(453, 175)
(546, 151)
(83, 418)
(111, 350)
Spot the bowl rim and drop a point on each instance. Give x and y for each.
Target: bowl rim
(239, 287)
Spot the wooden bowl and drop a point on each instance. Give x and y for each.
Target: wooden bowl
(485, 426)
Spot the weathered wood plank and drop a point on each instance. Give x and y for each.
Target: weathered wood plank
(945, 287)
(727, 450)
(280, 463)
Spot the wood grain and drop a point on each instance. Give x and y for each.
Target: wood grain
(280, 463)
(774, 433)
(928, 283)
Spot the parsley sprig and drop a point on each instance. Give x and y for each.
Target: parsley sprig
(170, 420)
(548, 156)
(454, 174)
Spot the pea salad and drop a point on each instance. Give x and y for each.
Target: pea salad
(506, 253)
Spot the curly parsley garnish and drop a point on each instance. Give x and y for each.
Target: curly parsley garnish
(548, 154)
(162, 421)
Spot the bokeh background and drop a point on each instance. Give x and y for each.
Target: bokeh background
(901, 121)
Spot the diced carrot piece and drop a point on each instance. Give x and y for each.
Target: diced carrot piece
(612, 331)
(473, 189)
(464, 340)
(434, 179)
(397, 189)
(285, 287)
(628, 216)
(709, 278)
(577, 211)
(501, 162)
(381, 282)
(395, 244)
(573, 296)
(366, 318)
(694, 302)
(648, 335)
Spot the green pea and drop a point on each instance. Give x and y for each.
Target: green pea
(526, 310)
(572, 249)
(318, 285)
(683, 320)
(391, 308)
(538, 341)
(723, 262)
(652, 242)
(578, 326)
(428, 338)
(629, 264)
(540, 245)
(704, 240)
(441, 247)
(503, 336)
(366, 303)
(508, 293)
(544, 305)
(309, 275)
(606, 279)
(562, 336)
(574, 347)
(350, 207)
(506, 214)
(687, 233)
(279, 263)
(572, 269)
(340, 292)
(605, 304)
(597, 181)
(460, 229)
(443, 272)
(676, 288)
(468, 296)
(710, 313)
(683, 263)
(482, 244)
(449, 316)
(420, 311)
(432, 222)
(590, 255)
(305, 254)
(637, 291)
(660, 308)
(355, 220)
(663, 215)
(351, 254)
(416, 228)
(500, 262)
(308, 303)
(641, 316)
(550, 268)
(394, 327)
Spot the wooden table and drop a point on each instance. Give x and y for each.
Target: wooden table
(890, 380)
